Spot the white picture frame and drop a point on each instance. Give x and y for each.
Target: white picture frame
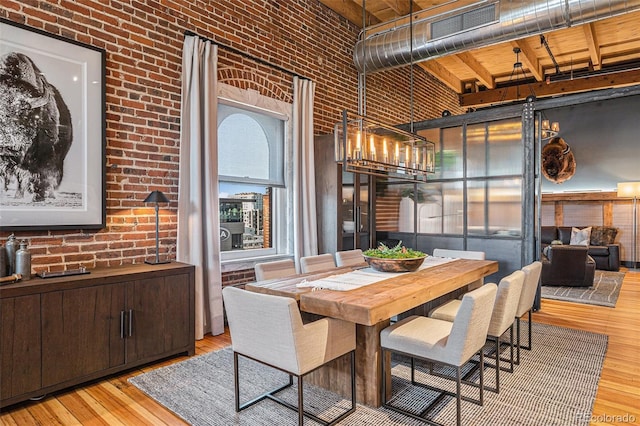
(52, 131)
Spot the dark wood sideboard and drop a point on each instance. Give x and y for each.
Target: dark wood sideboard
(60, 332)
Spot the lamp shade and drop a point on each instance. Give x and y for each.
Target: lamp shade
(156, 197)
(629, 189)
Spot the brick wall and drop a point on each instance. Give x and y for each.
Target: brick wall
(143, 41)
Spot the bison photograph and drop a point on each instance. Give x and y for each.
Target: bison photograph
(35, 131)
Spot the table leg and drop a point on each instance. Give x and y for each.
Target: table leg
(335, 375)
(368, 363)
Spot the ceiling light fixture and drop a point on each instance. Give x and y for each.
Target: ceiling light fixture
(548, 129)
(367, 146)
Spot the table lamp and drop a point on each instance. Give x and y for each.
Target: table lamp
(156, 197)
(632, 190)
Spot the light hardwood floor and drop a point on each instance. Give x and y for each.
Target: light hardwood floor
(114, 401)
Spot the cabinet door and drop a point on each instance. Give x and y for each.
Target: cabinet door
(20, 336)
(355, 215)
(159, 312)
(81, 332)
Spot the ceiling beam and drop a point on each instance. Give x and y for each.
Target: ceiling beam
(442, 74)
(482, 74)
(351, 10)
(529, 59)
(604, 81)
(418, 12)
(592, 43)
(402, 7)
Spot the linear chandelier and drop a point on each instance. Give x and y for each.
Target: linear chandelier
(367, 146)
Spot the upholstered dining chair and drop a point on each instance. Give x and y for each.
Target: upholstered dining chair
(436, 341)
(317, 263)
(277, 269)
(502, 318)
(350, 258)
(269, 329)
(462, 254)
(527, 297)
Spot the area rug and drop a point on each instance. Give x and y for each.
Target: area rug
(604, 292)
(555, 384)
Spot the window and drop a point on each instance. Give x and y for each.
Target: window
(252, 174)
(478, 171)
(250, 146)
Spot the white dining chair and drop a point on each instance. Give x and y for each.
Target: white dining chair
(350, 258)
(463, 254)
(317, 263)
(269, 329)
(276, 269)
(527, 297)
(502, 317)
(437, 341)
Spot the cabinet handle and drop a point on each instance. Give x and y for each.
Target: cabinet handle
(122, 324)
(130, 321)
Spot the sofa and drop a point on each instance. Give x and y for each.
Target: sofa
(602, 247)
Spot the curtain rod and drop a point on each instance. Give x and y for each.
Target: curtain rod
(246, 55)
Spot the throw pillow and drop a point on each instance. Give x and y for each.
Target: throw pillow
(580, 237)
(603, 235)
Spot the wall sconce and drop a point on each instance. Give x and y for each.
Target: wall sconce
(632, 190)
(156, 197)
(366, 146)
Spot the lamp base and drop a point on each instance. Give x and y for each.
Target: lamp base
(159, 262)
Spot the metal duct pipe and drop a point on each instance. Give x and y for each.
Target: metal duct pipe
(478, 25)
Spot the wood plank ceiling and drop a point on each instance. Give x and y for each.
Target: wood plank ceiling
(596, 55)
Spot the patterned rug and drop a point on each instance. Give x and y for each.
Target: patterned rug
(604, 292)
(555, 384)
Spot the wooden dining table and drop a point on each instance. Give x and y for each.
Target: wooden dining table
(371, 308)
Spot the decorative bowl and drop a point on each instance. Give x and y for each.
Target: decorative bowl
(394, 265)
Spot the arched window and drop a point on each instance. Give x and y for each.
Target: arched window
(252, 165)
(250, 146)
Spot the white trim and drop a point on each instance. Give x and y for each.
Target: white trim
(281, 222)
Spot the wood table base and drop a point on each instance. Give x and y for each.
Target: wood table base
(335, 376)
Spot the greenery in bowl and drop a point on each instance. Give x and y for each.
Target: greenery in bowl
(397, 252)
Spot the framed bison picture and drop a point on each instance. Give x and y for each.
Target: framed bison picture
(52, 131)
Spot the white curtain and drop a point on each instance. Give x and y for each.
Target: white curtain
(198, 241)
(304, 187)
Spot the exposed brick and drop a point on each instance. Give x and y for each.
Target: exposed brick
(143, 43)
